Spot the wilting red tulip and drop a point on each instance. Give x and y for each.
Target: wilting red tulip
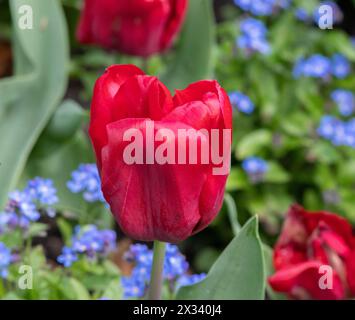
(314, 257)
(137, 27)
(158, 192)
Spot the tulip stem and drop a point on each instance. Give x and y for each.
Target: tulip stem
(156, 278)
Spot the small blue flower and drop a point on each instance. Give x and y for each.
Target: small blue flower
(326, 128)
(24, 207)
(89, 241)
(189, 280)
(253, 36)
(254, 165)
(284, 4)
(298, 68)
(23, 202)
(339, 136)
(24, 223)
(302, 14)
(262, 7)
(316, 66)
(243, 4)
(340, 66)
(42, 190)
(175, 263)
(140, 254)
(255, 168)
(345, 101)
(5, 260)
(253, 28)
(67, 257)
(8, 221)
(242, 102)
(86, 180)
(351, 126)
(339, 133)
(133, 286)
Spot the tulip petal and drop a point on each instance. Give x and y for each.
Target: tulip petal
(197, 92)
(137, 27)
(302, 281)
(151, 201)
(200, 115)
(173, 25)
(335, 222)
(106, 88)
(142, 97)
(350, 272)
(288, 255)
(141, 27)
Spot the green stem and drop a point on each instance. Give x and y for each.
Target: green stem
(156, 278)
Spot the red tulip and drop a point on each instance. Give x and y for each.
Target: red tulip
(151, 200)
(137, 27)
(313, 245)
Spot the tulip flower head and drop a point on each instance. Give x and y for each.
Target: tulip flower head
(163, 160)
(135, 27)
(314, 257)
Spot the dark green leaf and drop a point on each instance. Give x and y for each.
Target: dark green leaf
(193, 60)
(237, 274)
(30, 97)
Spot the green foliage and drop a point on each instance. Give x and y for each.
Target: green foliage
(303, 167)
(193, 59)
(34, 91)
(238, 273)
(43, 136)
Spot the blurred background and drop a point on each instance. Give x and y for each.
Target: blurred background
(292, 88)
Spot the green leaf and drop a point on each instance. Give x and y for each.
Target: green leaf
(193, 60)
(37, 230)
(297, 124)
(37, 258)
(232, 213)
(205, 258)
(325, 152)
(237, 274)
(76, 290)
(64, 159)
(237, 179)
(30, 97)
(113, 291)
(253, 142)
(62, 127)
(66, 121)
(66, 230)
(338, 41)
(276, 174)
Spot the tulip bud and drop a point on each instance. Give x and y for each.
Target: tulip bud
(136, 27)
(168, 189)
